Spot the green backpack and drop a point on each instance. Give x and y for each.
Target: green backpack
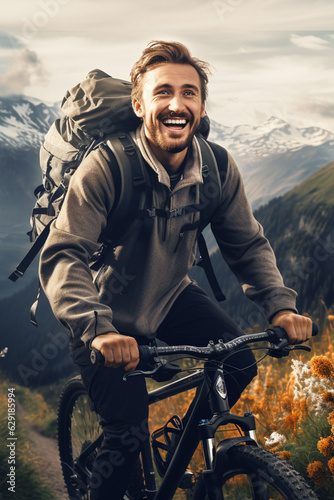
(99, 110)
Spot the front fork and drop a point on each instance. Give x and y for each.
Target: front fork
(207, 428)
(212, 455)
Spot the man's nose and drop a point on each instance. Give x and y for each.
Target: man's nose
(176, 104)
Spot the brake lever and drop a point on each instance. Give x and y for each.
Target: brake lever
(280, 350)
(162, 371)
(283, 349)
(300, 348)
(159, 363)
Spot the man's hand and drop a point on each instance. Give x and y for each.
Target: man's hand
(118, 350)
(298, 328)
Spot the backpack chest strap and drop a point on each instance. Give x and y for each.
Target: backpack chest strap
(168, 214)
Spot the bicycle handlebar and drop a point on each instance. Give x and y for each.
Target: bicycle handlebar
(275, 335)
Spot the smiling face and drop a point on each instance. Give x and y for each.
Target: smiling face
(171, 106)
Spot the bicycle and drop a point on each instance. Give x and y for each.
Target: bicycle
(237, 468)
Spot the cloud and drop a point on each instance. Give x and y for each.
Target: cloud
(23, 68)
(310, 42)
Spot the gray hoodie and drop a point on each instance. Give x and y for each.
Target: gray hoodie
(141, 278)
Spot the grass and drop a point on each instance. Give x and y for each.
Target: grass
(317, 190)
(27, 481)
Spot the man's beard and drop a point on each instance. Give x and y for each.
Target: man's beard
(168, 144)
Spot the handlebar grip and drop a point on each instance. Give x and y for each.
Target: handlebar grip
(96, 357)
(279, 333)
(145, 355)
(315, 329)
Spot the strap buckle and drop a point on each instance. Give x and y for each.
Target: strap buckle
(176, 212)
(151, 212)
(16, 275)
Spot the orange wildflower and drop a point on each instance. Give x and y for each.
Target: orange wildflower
(317, 472)
(257, 408)
(290, 422)
(322, 367)
(286, 403)
(326, 446)
(302, 406)
(284, 455)
(328, 397)
(330, 418)
(330, 317)
(331, 465)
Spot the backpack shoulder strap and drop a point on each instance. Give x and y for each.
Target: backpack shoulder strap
(132, 183)
(214, 168)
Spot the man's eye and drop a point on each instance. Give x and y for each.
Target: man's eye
(163, 92)
(189, 92)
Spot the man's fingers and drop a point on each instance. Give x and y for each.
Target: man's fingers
(133, 359)
(118, 350)
(297, 327)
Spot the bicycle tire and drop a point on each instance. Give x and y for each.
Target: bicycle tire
(74, 434)
(254, 473)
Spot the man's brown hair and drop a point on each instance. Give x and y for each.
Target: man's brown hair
(158, 52)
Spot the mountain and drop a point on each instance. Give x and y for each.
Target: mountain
(275, 156)
(36, 356)
(23, 124)
(300, 228)
(24, 121)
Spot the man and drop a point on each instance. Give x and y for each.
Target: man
(142, 290)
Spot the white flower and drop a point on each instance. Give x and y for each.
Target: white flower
(309, 387)
(275, 438)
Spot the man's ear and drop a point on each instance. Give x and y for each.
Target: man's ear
(203, 111)
(137, 108)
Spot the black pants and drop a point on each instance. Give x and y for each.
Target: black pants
(193, 320)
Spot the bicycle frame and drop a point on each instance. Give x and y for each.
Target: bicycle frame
(213, 388)
(211, 392)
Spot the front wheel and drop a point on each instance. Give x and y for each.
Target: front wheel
(254, 473)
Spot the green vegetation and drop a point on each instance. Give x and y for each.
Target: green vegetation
(37, 412)
(300, 229)
(316, 190)
(27, 480)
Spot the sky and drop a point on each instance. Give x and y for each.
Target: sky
(269, 57)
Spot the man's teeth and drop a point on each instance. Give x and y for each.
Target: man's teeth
(175, 122)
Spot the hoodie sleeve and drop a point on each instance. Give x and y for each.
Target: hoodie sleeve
(64, 264)
(246, 250)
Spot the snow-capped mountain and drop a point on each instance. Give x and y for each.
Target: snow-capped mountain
(275, 136)
(23, 124)
(24, 121)
(275, 156)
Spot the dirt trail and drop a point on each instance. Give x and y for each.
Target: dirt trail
(45, 450)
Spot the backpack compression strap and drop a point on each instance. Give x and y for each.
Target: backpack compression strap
(29, 257)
